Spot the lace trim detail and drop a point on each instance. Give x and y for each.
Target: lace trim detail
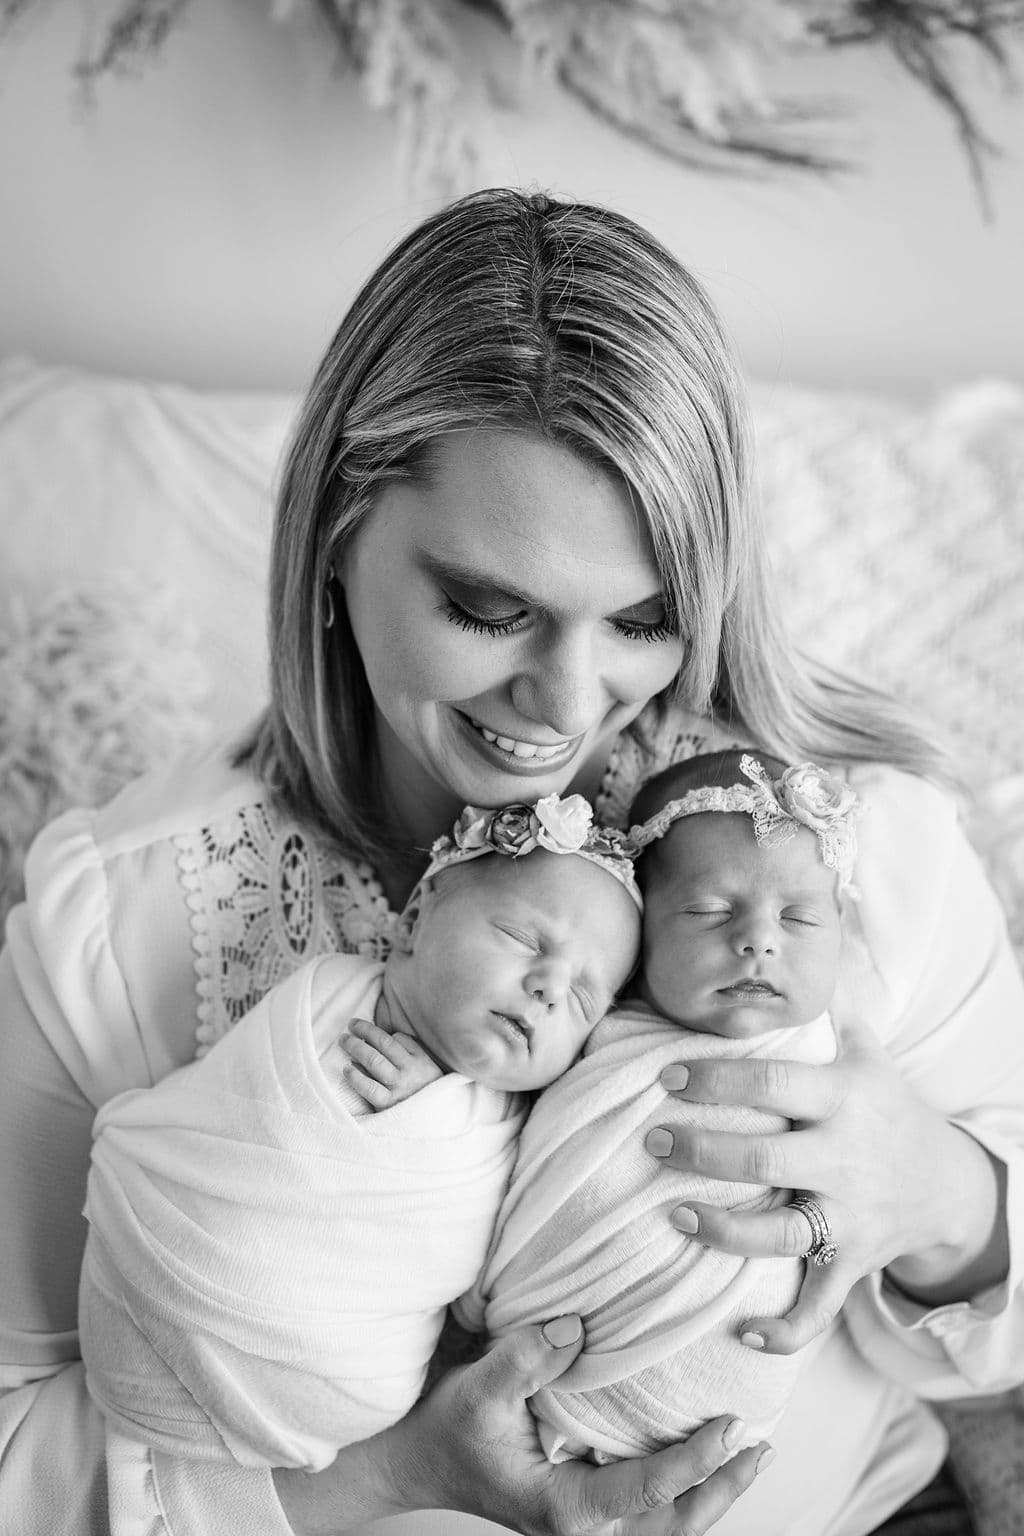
(263, 899)
(657, 740)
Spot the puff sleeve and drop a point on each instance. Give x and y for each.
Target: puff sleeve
(68, 1040)
(934, 973)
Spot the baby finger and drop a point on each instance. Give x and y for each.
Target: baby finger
(371, 1060)
(369, 1088)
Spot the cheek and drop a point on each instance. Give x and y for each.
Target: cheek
(670, 961)
(647, 667)
(820, 976)
(418, 656)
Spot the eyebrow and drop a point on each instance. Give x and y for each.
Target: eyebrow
(443, 569)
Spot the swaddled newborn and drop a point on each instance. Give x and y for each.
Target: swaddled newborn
(268, 1263)
(742, 883)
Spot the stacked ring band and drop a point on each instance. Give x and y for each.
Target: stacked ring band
(822, 1250)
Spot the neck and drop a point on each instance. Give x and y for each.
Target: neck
(391, 1012)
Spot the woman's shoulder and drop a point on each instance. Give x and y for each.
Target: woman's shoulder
(909, 846)
(199, 787)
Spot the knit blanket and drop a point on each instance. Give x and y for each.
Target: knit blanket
(267, 1272)
(584, 1228)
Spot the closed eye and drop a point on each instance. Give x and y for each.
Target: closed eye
(478, 623)
(801, 918)
(476, 604)
(703, 910)
(518, 936)
(587, 1006)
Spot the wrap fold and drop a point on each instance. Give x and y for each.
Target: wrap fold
(267, 1272)
(584, 1228)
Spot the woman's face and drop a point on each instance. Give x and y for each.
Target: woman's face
(511, 619)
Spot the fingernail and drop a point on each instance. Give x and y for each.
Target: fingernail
(733, 1434)
(675, 1077)
(659, 1143)
(765, 1459)
(752, 1339)
(685, 1219)
(561, 1331)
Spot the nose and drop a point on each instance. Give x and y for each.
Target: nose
(753, 935)
(561, 686)
(546, 982)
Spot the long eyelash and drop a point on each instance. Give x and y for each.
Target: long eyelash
(650, 633)
(474, 624)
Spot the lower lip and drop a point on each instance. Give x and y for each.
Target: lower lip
(511, 1030)
(521, 767)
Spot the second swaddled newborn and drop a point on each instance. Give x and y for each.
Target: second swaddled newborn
(743, 886)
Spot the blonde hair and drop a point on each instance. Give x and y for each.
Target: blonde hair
(512, 310)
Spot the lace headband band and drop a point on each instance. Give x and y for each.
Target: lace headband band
(560, 826)
(804, 796)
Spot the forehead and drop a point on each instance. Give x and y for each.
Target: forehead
(719, 848)
(526, 509)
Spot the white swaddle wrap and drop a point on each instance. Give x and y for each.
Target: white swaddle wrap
(266, 1272)
(584, 1228)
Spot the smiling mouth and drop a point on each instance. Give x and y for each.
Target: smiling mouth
(523, 751)
(514, 1028)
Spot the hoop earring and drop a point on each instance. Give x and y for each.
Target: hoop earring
(327, 614)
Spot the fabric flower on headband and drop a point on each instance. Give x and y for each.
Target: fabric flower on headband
(802, 796)
(557, 825)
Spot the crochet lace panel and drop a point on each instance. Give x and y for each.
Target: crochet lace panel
(265, 898)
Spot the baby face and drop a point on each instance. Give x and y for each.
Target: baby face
(513, 963)
(738, 939)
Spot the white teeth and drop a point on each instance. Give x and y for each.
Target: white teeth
(523, 749)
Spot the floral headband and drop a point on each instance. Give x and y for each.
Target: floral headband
(804, 796)
(560, 826)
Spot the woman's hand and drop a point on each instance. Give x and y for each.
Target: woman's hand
(900, 1187)
(471, 1445)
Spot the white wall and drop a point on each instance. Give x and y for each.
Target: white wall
(209, 220)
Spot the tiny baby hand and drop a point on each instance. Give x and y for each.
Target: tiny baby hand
(384, 1069)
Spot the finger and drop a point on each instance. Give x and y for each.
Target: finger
(780, 1234)
(793, 1089)
(784, 1160)
(368, 1088)
(519, 1364)
(372, 1061)
(703, 1507)
(821, 1298)
(655, 1482)
(391, 1047)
